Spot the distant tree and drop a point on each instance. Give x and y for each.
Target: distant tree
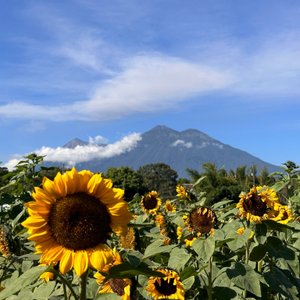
(219, 184)
(264, 178)
(3, 176)
(127, 179)
(194, 174)
(159, 177)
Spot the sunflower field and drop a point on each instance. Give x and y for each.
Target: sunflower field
(71, 235)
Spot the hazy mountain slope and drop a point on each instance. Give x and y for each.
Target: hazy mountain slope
(181, 150)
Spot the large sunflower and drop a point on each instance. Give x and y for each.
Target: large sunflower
(151, 202)
(168, 287)
(72, 217)
(201, 221)
(118, 286)
(257, 205)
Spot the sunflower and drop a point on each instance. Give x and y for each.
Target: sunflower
(179, 232)
(4, 245)
(257, 205)
(151, 202)
(182, 193)
(282, 215)
(189, 241)
(118, 286)
(47, 276)
(241, 230)
(127, 240)
(72, 217)
(169, 207)
(201, 221)
(168, 287)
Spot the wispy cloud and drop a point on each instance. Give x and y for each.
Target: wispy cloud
(72, 156)
(182, 143)
(146, 84)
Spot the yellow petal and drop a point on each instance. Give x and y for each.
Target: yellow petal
(41, 195)
(49, 187)
(53, 254)
(94, 183)
(71, 179)
(100, 257)
(80, 262)
(60, 185)
(40, 236)
(66, 261)
(84, 178)
(34, 222)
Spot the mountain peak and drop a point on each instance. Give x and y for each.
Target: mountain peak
(74, 142)
(162, 128)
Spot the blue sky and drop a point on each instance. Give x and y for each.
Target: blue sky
(110, 70)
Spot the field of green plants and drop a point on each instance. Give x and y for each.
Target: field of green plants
(70, 234)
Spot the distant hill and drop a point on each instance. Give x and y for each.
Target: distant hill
(180, 150)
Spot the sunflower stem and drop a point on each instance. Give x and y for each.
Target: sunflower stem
(209, 287)
(83, 282)
(246, 260)
(67, 283)
(65, 291)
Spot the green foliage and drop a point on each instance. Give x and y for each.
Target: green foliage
(262, 262)
(159, 177)
(219, 184)
(127, 179)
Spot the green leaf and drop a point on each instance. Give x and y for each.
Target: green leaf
(261, 233)
(178, 258)
(21, 282)
(258, 252)
(276, 248)
(26, 265)
(204, 247)
(220, 203)
(156, 248)
(224, 293)
(44, 290)
(245, 277)
(187, 272)
(126, 270)
(111, 296)
(188, 283)
(238, 241)
(282, 282)
(278, 226)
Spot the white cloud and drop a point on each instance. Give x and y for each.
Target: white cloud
(146, 84)
(99, 139)
(83, 153)
(182, 143)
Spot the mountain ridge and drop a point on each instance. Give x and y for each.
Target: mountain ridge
(190, 148)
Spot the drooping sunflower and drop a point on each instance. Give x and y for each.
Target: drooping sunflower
(168, 287)
(72, 217)
(202, 221)
(118, 286)
(257, 205)
(282, 215)
(151, 202)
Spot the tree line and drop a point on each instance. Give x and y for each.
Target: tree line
(216, 183)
